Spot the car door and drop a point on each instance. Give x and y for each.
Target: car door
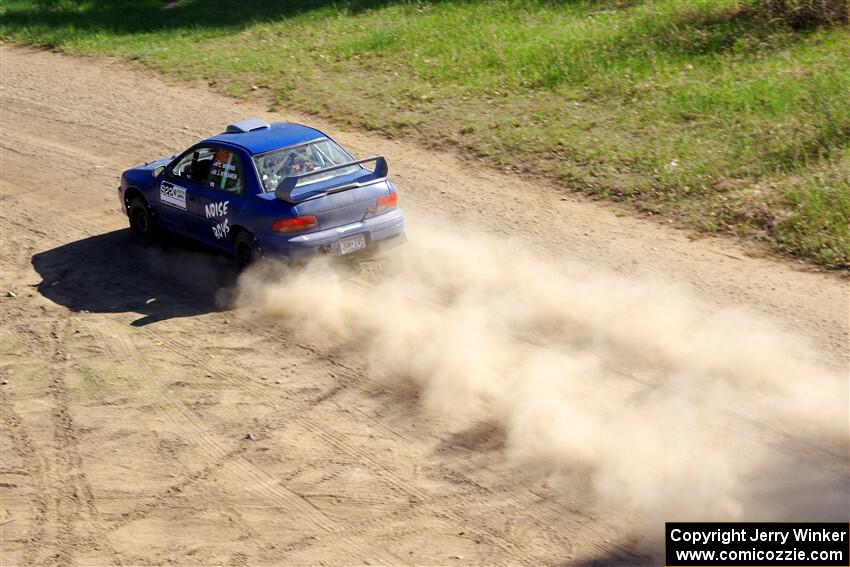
(181, 188)
(223, 196)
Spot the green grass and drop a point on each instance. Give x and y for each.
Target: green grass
(698, 110)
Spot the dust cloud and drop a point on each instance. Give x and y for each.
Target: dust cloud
(629, 393)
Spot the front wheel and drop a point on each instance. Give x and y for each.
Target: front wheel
(141, 221)
(245, 251)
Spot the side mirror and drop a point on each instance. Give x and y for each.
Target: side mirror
(157, 171)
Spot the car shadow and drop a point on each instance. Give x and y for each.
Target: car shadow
(111, 273)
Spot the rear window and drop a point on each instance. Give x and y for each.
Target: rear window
(277, 165)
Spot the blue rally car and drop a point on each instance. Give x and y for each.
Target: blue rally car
(263, 189)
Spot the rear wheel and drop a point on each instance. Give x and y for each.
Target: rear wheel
(141, 221)
(245, 251)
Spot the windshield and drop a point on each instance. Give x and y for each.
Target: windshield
(274, 166)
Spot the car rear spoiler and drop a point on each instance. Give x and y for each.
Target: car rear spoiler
(287, 186)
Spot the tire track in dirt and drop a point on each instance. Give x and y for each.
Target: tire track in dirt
(63, 502)
(75, 499)
(221, 458)
(25, 448)
(332, 438)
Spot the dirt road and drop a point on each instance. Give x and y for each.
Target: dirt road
(129, 385)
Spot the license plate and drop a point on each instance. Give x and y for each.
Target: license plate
(350, 244)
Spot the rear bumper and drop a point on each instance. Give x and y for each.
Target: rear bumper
(378, 230)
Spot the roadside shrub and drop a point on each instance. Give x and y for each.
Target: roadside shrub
(806, 13)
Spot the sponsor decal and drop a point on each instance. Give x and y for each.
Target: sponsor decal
(217, 210)
(221, 230)
(222, 175)
(172, 195)
(222, 156)
(223, 169)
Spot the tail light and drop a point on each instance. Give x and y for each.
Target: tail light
(295, 224)
(387, 202)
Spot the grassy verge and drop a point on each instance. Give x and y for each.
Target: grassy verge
(702, 111)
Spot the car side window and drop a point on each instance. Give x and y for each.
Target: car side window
(195, 165)
(226, 173)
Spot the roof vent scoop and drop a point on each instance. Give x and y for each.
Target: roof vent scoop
(249, 125)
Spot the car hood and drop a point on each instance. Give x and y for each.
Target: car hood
(141, 172)
(151, 165)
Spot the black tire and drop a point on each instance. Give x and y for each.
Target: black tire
(245, 251)
(142, 224)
